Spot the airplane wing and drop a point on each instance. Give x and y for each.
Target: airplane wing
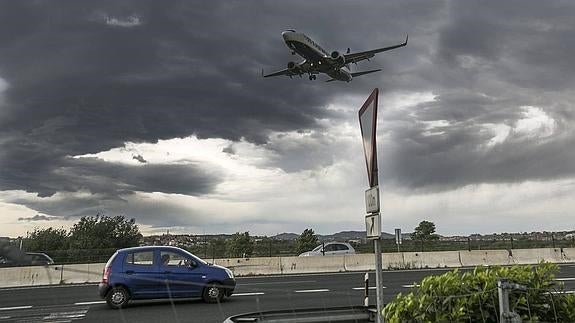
(356, 74)
(297, 70)
(285, 72)
(360, 56)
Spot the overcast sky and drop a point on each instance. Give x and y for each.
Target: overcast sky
(156, 110)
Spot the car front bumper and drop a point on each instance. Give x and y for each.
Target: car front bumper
(103, 289)
(229, 286)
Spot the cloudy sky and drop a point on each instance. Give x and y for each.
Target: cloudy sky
(156, 110)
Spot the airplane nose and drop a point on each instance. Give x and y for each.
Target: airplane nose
(287, 33)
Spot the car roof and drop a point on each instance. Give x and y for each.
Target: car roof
(146, 248)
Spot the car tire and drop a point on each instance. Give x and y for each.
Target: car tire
(213, 293)
(118, 297)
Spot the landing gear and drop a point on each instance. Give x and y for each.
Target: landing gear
(312, 77)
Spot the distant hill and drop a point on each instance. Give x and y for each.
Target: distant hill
(286, 236)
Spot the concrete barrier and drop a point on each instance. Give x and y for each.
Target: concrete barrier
(438, 259)
(305, 265)
(82, 273)
(360, 262)
(486, 258)
(92, 273)
(534, 256)
(252, 266)
(394, 260)
(30, 276)
(567, 254)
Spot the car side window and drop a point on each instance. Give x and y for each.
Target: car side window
(142, 258)
(342, 247)
(173, 259)
(330, 247)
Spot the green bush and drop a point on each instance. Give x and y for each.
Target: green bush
(472, 297)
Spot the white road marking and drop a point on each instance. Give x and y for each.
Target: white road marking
(279, 283)
(48, 286)
(66, 315)
(370, 287)
(90, 303)
(15, 308)
(410, 286)
(312, 291)
(248, 294)
(565, 279)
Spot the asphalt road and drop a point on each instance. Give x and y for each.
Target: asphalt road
(81, 302)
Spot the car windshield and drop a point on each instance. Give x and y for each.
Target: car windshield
(190, 160)
(194, 257)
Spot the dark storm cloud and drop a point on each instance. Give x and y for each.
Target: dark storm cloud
(110, 180)
(461, 152)
(37, 217)
(85, 78)
(489, 63)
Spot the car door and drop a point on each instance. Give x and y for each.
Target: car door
(342, 249)
(141, 273)
(183, 274)
(330, 249)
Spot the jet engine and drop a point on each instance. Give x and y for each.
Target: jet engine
(340, 59)
(293, 67)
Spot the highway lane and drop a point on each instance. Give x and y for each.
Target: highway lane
(71, 303)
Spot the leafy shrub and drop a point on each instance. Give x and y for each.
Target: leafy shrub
(472, 297)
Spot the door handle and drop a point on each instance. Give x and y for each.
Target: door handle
(129, 272)
(167, 272)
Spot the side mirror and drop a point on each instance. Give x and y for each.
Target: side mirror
(191, 263)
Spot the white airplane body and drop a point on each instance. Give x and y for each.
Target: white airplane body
(317, 60)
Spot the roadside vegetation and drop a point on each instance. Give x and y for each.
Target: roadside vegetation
(96, 238)
(459, 296)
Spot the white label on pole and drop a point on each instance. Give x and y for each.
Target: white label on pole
(373, 226)
(372, 200)
(397, 236)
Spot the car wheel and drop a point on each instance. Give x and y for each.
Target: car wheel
(118, 297)
(213, 293)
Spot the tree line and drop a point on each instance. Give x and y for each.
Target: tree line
(90, 232)
(115, 232)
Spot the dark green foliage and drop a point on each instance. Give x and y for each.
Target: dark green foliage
(306, 241)
(424, 231)
(46, 239)
(102, 232)
(240, 245)
(472, 297)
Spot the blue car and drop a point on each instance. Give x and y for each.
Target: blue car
(162, 272)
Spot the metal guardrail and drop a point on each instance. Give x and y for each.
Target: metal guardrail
(358, 314)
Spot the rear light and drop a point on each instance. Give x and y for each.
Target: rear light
(106, 275)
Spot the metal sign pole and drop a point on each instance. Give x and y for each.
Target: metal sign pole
(378, 280)
(368, 124)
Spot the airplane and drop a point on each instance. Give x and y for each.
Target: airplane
(317, 60)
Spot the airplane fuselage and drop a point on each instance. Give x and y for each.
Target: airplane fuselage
(315, 55)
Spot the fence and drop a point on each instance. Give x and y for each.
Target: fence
(217, 248)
